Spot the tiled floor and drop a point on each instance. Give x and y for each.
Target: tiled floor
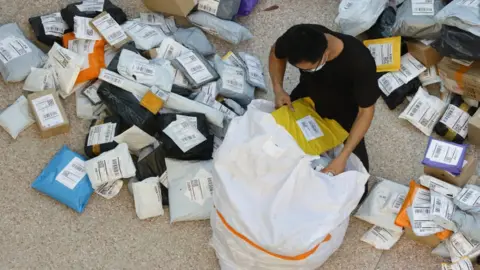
(38, 233)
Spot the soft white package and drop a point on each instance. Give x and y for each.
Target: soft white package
(110, 189)
(185, 135)
(135, 138)
(232, 83)
(439, 186)
(183, 104)
(39, 79)
(83, 29)
(227, 30)
(430, 76)
(16, 117)
(84, 107)
(381, 206)
(468, 199)
(357, 16)
(18, 54)
(158, 72)
(170, 49)
(463, 264)
(266, 190)
(462, 14)
(190, 189)
(254, 67)
(144, 36)
(442, 210)
(424, 111)
(67, 66)
(461, 246)
(158, 21)
(410, 68)
(381, 238)
(148, 198)
(110, 166)
(196, 69)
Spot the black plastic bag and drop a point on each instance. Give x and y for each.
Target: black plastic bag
(39, 30)
(72, 10)
(203, 151)
(447, 132)
(151, 163)
(456, 43)
(95, 150)
(127, 107)
(384, 25)
(398, 95)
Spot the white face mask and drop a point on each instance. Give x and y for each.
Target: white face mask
(320, 66)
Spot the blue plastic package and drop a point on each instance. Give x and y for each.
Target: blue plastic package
(65, 180)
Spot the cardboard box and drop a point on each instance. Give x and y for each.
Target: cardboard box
(460, 79)
(49, 113)
(179, 8)
(431, 241)
(427, 55)
(474, 129)
(467, 172)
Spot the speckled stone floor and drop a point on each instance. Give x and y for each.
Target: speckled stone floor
(38, 233)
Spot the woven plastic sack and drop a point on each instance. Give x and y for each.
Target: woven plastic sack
(357, 16)
(417, 26)
(18, 54)
(65, 180)
(194, 39)
(272, 209)
(227, 30)
(314, 134)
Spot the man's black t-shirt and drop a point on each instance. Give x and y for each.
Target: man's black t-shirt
(343, 85)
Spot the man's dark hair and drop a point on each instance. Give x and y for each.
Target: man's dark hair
(300, 43)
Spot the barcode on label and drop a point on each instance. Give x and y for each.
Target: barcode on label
(207, 8)
(50, 115)
(416, 107)
(405, 71)
(467, 195)
(5, 54)
(114, 35)
(210, 185)
(158, 191)
(438, 151)
(399, 201)
(54, 29)
(189, 138)
(116, 167)
(196, 68)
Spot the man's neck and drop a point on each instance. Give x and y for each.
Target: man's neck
(335, 45)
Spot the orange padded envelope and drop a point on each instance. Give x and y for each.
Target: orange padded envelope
(402, 219)
(96, 59)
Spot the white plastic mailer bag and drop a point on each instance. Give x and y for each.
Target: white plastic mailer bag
(357, 16)
(148, 197)
(190, 189)
(16, 117)
(84, 106)
(144, 36)
(416, 19)
(233, 83)
(110, 166)
(382, 205)
(67, 66)
(195, 39)
(110, 189)
(272, 209)
(183, 104)
(135, 138)
(462, 14)
(39, 79)
(18, 54)
(196, 69)
(158, 72)
(468, 199)
(169, 49)
(227, 30)
(424, 111)
(157, 20)
(381, 238)
(254, 67)
(83, 29)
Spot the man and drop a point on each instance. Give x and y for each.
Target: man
(338, 72)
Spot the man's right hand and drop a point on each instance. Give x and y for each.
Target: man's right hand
(283, 98)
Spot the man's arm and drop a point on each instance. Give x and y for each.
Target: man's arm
(276, 67)
(357, 133)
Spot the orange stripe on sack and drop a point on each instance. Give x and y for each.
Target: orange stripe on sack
(302, 256)
(459, 75)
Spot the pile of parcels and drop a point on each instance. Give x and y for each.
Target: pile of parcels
(426, 52)
(158, 97)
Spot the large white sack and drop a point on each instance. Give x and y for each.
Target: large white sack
(357, 16)
(266, 189)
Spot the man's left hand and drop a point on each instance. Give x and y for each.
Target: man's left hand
(337, 166)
